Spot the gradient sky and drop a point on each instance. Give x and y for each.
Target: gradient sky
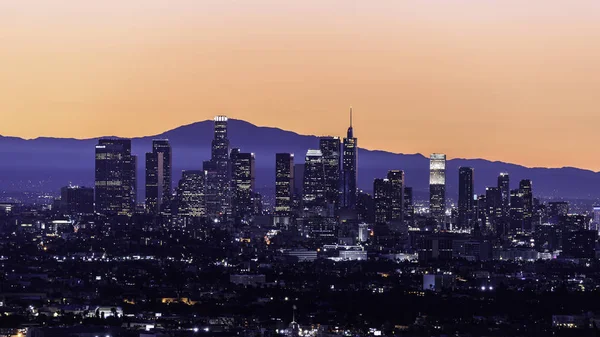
(516, 81)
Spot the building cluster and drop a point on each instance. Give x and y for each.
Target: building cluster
(318, 200)
(203, 255)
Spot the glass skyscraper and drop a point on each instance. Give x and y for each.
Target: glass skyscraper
(284, 184)
(190, 194)
(243, 183)
(437, 186)
(158, 176)
(465, 196)
(331, 150)
(313, 196)
(115, 184)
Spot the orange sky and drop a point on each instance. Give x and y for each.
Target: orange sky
(508, 80)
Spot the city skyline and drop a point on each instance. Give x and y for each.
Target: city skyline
(73, 68)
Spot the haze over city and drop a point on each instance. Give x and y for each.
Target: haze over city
(503, 80)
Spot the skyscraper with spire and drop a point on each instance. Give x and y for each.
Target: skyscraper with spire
(349, 190)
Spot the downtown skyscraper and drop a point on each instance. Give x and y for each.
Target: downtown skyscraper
(218, 172)
(504, 186)
(243, 183)
(465, 196)
(284, 186)
(191, 201)
(313, 194)
(158, 176)
(350, 166)
(437, 186)
(115, 189)
(331, 149)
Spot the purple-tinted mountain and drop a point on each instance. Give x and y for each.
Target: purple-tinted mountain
(49, 163)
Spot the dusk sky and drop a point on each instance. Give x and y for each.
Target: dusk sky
(517, 81)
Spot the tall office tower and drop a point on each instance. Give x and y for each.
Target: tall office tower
(381, 199)
(190, 194)
(350, 165)
(396, 198)
(516, 210)
(314, 183)
(437, 186)
(158, 176)
(331, 149)
(493, 199)
(481, 211)
(298, 181)
(77, 200)
(115, 183)
(504, 186)
(466, 201)
(218, 180)
(526, 189)
(409, 208)
(284, 184)
(243, 181)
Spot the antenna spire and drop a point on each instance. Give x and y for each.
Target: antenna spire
(350, 116)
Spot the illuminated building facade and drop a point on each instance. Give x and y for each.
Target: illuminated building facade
(284, 184)
(158, 176)
(381, 194)
(493, 199)
(243, 183)
(466, 200)
(218, 191)
(115, 177)
(437, 186)
(191, 194)
(504, 186)
(331, 149)
(313, 196)
(526, 188)
(350, 160)
(409, 208)
(396, 198)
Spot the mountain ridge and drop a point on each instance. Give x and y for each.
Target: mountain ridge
(57, 161)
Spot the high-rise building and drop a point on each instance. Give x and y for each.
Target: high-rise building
(190, 194)
(158, 176)
(350, 161)
(437, 186)
(409, 208)
(516, 210)
(493, 199)
(115, 183)
(284, 184)
(381, 200)
(77, 200)
(243, 183)
(314, 183)
(466, 199)
(396, 178)
(527, 194)
(331, 149)
(388, 198)
(504, 186)
(218, 179)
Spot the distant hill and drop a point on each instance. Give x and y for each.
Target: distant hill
(49, 163)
